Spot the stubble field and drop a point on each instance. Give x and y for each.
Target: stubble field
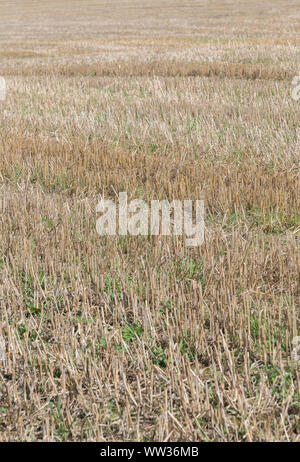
(142, 338)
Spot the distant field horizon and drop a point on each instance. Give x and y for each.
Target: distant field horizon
(128, 337)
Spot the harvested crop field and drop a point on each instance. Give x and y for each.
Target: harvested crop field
(142, 338)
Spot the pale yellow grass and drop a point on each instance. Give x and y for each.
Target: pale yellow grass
(143, 339)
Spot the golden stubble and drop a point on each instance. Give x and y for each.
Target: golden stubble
(141, 338)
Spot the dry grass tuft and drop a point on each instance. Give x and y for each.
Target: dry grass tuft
(141, 338)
